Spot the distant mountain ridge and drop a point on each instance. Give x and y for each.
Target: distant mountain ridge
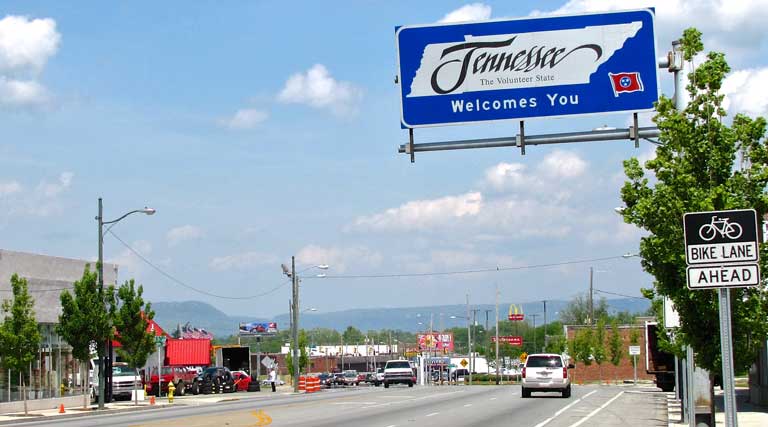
(203, 315)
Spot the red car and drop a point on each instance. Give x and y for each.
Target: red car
(242, 380)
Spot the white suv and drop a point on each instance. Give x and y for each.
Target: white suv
(546, 372)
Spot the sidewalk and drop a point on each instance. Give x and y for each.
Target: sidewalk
(128, 405)
(748, 415)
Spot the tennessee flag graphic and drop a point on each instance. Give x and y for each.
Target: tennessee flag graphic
(625, 83)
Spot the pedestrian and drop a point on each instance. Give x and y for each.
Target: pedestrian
(273, 378)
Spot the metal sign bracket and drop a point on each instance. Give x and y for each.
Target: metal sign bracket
(521, 138)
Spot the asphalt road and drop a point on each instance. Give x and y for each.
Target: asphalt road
(403, 406)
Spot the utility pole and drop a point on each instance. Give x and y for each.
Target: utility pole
(545, 326)
(469, 341)
(591, 302)
(497, 334)
(534, 331)
(474, 323)
(486, 318)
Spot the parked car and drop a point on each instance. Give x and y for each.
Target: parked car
(214, 380)
(459, 374)
(277, 382)
(546, 372)
(242, 380)
(182, 379)
(361, 377)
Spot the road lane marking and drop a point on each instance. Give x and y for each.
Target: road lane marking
(545, 422)
(493, 398)
(467, 405)
(392, 425)
(354, 403)
(591, 414)
(432, 414)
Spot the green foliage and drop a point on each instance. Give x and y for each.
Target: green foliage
(694, 171)
(557, 344)
(86, 318)
(131, 321)
(615, 344)
(598, 345)
(19, 335)
(353, 335)
(303, 355)
(583, 344)
(577, 311)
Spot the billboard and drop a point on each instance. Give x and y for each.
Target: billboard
(435, 341)
(258, 328)
(527, 68)
(191, 332)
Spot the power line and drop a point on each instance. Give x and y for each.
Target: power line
(192, 288)
(475, 271)
(617, 294)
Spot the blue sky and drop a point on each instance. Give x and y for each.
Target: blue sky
(261, 130)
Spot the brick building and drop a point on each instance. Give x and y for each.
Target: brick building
(625, 370)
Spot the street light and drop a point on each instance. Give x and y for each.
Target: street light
(294, 275)
(105, 360)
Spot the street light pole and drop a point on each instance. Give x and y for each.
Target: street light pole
(105, 359)
(469, 341)
(295, 331)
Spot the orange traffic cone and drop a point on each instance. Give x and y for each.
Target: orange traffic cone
(61, 408)
(151, 400)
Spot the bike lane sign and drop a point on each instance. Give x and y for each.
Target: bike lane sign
(721, 248)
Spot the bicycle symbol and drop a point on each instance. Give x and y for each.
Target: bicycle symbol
(721, 226)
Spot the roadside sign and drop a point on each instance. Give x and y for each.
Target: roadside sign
(515, 312)
(464, 363)
(634, 350)
(721, 249)
(268, 362)
(523, 357)
(159, 340)
(516, 317)
(527, 68)
(721, 237)
(671, 316)
(511, 340)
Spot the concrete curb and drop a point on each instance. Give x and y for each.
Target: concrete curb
(32, 417)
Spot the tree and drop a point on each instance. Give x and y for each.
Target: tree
(694, 171)
(19, 335)
(615, 346)
(598, 347)
(577, 311)
(353, 335)
(131, 321)
(583, 346)
(303, 356)
(85, 320)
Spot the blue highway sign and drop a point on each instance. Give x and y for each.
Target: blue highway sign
(527, 68)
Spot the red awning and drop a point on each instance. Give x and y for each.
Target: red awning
(189, 352)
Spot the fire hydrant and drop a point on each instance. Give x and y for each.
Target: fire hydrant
(171, 389)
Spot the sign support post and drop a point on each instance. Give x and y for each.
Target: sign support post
(726, 348)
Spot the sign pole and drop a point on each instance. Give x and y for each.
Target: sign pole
(727, 357)
(634, 358)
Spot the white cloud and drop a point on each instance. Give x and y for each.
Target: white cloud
(726, 25)
(318, 89)
(129, 264)
(423, 214)
(340, 259)
(746, 91)
(469, 12)
(50, 190)
(563, 164)
(22, 93)
(10, 187)
(244, 119)
(27, 44)
(185, 232)
(243, 261)
(556, 167)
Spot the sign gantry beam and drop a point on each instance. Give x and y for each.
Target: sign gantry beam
(524, 140)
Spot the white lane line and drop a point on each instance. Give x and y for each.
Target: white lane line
(580, 422)
(467, 405)
(354, 403)
(392, 425)
(493, 398)
(432, 414)
(545, 422)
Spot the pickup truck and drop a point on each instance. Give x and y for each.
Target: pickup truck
(182, 379)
